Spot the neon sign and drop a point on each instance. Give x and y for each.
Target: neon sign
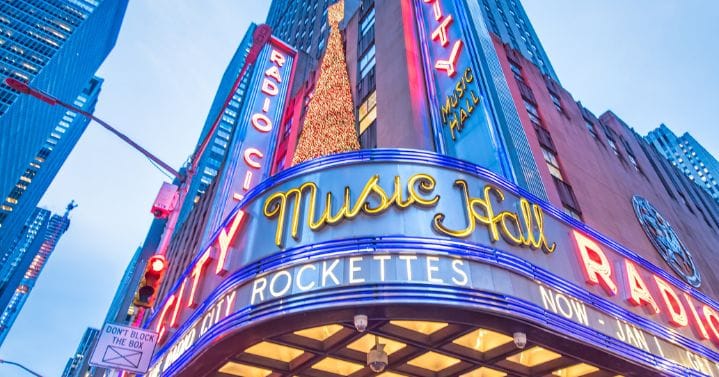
(523, 228)
(256, 140)
(643, 288)
(463, 125)
(253, 142)
(410, 217)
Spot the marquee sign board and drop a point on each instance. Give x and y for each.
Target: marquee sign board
(417, 222)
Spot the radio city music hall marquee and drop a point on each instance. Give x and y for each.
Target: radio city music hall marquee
(409, 216)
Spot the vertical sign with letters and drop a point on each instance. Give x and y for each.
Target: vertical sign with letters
(124, 348)
(463, 125)
(253, 144)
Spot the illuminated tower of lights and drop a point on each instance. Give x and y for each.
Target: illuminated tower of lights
(22, 267)
(329, 125)
(56, 46)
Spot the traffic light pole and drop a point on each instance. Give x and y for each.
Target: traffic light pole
(260, 37)
(20, 366)
(50, 100)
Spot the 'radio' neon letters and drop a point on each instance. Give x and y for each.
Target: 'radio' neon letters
(261, 122)
(701, 330)
(596, 266)
(676, 313)
(274, 72)
(712, 321)
(269, 88)
(638, 292)
(277, 58)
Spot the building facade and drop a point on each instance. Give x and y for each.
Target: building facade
(41, 170)
(507, 20)
(490, 225)
(24, 262)
(687, 155)
(228, 112)
(55, 46)
(77, 365)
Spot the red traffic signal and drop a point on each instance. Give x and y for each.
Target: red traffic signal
(156, 264)
(154, 270)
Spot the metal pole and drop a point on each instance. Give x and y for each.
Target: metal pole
(20, 366)
(49, 99)
(261, 35)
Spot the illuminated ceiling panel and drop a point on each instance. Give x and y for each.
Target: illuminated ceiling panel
(274, 351)
(237, 369)
(482, 340)
(575, 370)
(534, 356)
(390, 374)
(365, 343)
(422, 327)
(320, 333)
(451, 354)
(433, 361)
(484, 372)
(337, 366)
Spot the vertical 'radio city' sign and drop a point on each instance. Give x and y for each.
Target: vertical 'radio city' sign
(463, 125)
(248, 162)
(254, 141)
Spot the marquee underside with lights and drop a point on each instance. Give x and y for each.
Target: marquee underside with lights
(446, 258)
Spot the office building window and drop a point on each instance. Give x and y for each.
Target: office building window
(551, 159)
(516, 70)
(533, 113)
(569, 201)
(613, 145)
(545, 139)
(367, 62)
(367, 23)
(591, 129)
(556, 101)
(368, 138)
(367, 112)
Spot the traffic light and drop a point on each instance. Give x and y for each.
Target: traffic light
(145, 295)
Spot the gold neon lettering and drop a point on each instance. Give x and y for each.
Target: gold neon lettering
(372, 200)
(505, 224)
(524, 228)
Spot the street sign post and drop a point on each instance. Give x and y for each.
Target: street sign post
(123, 347)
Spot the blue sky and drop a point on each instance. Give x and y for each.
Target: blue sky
(649, 61)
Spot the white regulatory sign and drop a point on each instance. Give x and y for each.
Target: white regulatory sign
(123, 347)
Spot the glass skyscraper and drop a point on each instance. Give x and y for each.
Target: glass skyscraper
(23, 263)
(56, 46)
(77, 365)
(687, 155)
(508, 20)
